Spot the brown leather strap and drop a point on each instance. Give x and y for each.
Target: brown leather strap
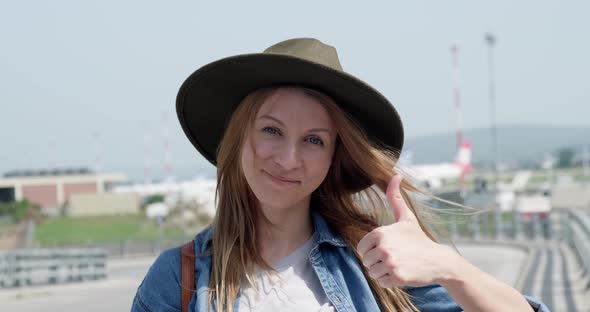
(187, 273)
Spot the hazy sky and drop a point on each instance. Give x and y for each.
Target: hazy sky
(73, 69)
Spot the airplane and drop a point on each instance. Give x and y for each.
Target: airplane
(434, 176)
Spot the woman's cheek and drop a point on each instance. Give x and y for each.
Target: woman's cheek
(264, 148)
(320, 162)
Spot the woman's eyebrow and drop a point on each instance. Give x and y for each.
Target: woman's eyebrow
(271, 118)
(320, 130)
(281, 123)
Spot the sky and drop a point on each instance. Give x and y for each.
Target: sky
(88, 83)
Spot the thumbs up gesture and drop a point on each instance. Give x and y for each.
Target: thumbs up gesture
(400, 254)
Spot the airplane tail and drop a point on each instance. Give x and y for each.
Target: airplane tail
(464, 159)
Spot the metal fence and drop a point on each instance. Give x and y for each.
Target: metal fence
(503, 226)
(569, 226)
(132, 248)
(24, 267)
(576, 227)
(39, 266)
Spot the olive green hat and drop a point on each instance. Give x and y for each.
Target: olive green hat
(208, 97)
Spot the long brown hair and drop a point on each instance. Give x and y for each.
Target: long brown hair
(358, 164)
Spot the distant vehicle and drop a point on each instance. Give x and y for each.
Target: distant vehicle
(157, 211)
(514, 196)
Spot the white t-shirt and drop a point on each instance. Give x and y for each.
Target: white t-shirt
(295, 288)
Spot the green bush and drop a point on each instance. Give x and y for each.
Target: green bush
(17, 210)
(157, 198)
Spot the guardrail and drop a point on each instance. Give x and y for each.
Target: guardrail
(495, 226)
(577, 235)
(23, 267)
(570, 226)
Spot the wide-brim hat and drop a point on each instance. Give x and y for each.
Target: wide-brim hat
(208, 97)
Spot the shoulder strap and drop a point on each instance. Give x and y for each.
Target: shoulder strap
(187, 273)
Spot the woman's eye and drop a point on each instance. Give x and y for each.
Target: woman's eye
(270, 130)
(315, 140)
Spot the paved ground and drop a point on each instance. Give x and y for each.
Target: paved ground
(502, 262)
(553, 274)
(112, 294)
(545, 276)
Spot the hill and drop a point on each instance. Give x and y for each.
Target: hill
(516, 143)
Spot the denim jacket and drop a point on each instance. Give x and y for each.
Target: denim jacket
(336, 266)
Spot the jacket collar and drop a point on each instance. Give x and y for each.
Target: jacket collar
(323, 232)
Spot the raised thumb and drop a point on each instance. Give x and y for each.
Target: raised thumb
(401, 210)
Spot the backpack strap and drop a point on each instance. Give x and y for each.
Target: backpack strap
(187, 273)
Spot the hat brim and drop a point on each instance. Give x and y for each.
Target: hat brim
(208, 97)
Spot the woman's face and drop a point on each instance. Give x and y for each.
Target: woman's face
(288, 151)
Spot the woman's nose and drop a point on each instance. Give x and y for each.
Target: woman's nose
(288, 157)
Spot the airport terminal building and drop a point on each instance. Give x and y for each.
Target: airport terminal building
(57, 188)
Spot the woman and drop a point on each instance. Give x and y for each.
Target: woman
(303, 151)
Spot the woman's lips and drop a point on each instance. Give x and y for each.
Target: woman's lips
(281, 180)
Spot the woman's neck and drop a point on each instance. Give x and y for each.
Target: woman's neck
(288, 230)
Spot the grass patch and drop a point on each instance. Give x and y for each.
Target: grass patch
(86, 230)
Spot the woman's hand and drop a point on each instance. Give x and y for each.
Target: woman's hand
(400, 254)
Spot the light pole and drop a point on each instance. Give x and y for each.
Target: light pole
(491, 41)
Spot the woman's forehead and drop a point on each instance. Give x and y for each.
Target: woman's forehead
(295, 103)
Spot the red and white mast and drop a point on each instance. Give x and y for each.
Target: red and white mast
(147, 163)
(464, 147)
(167, 155)
(457, 95)
(97, 153)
